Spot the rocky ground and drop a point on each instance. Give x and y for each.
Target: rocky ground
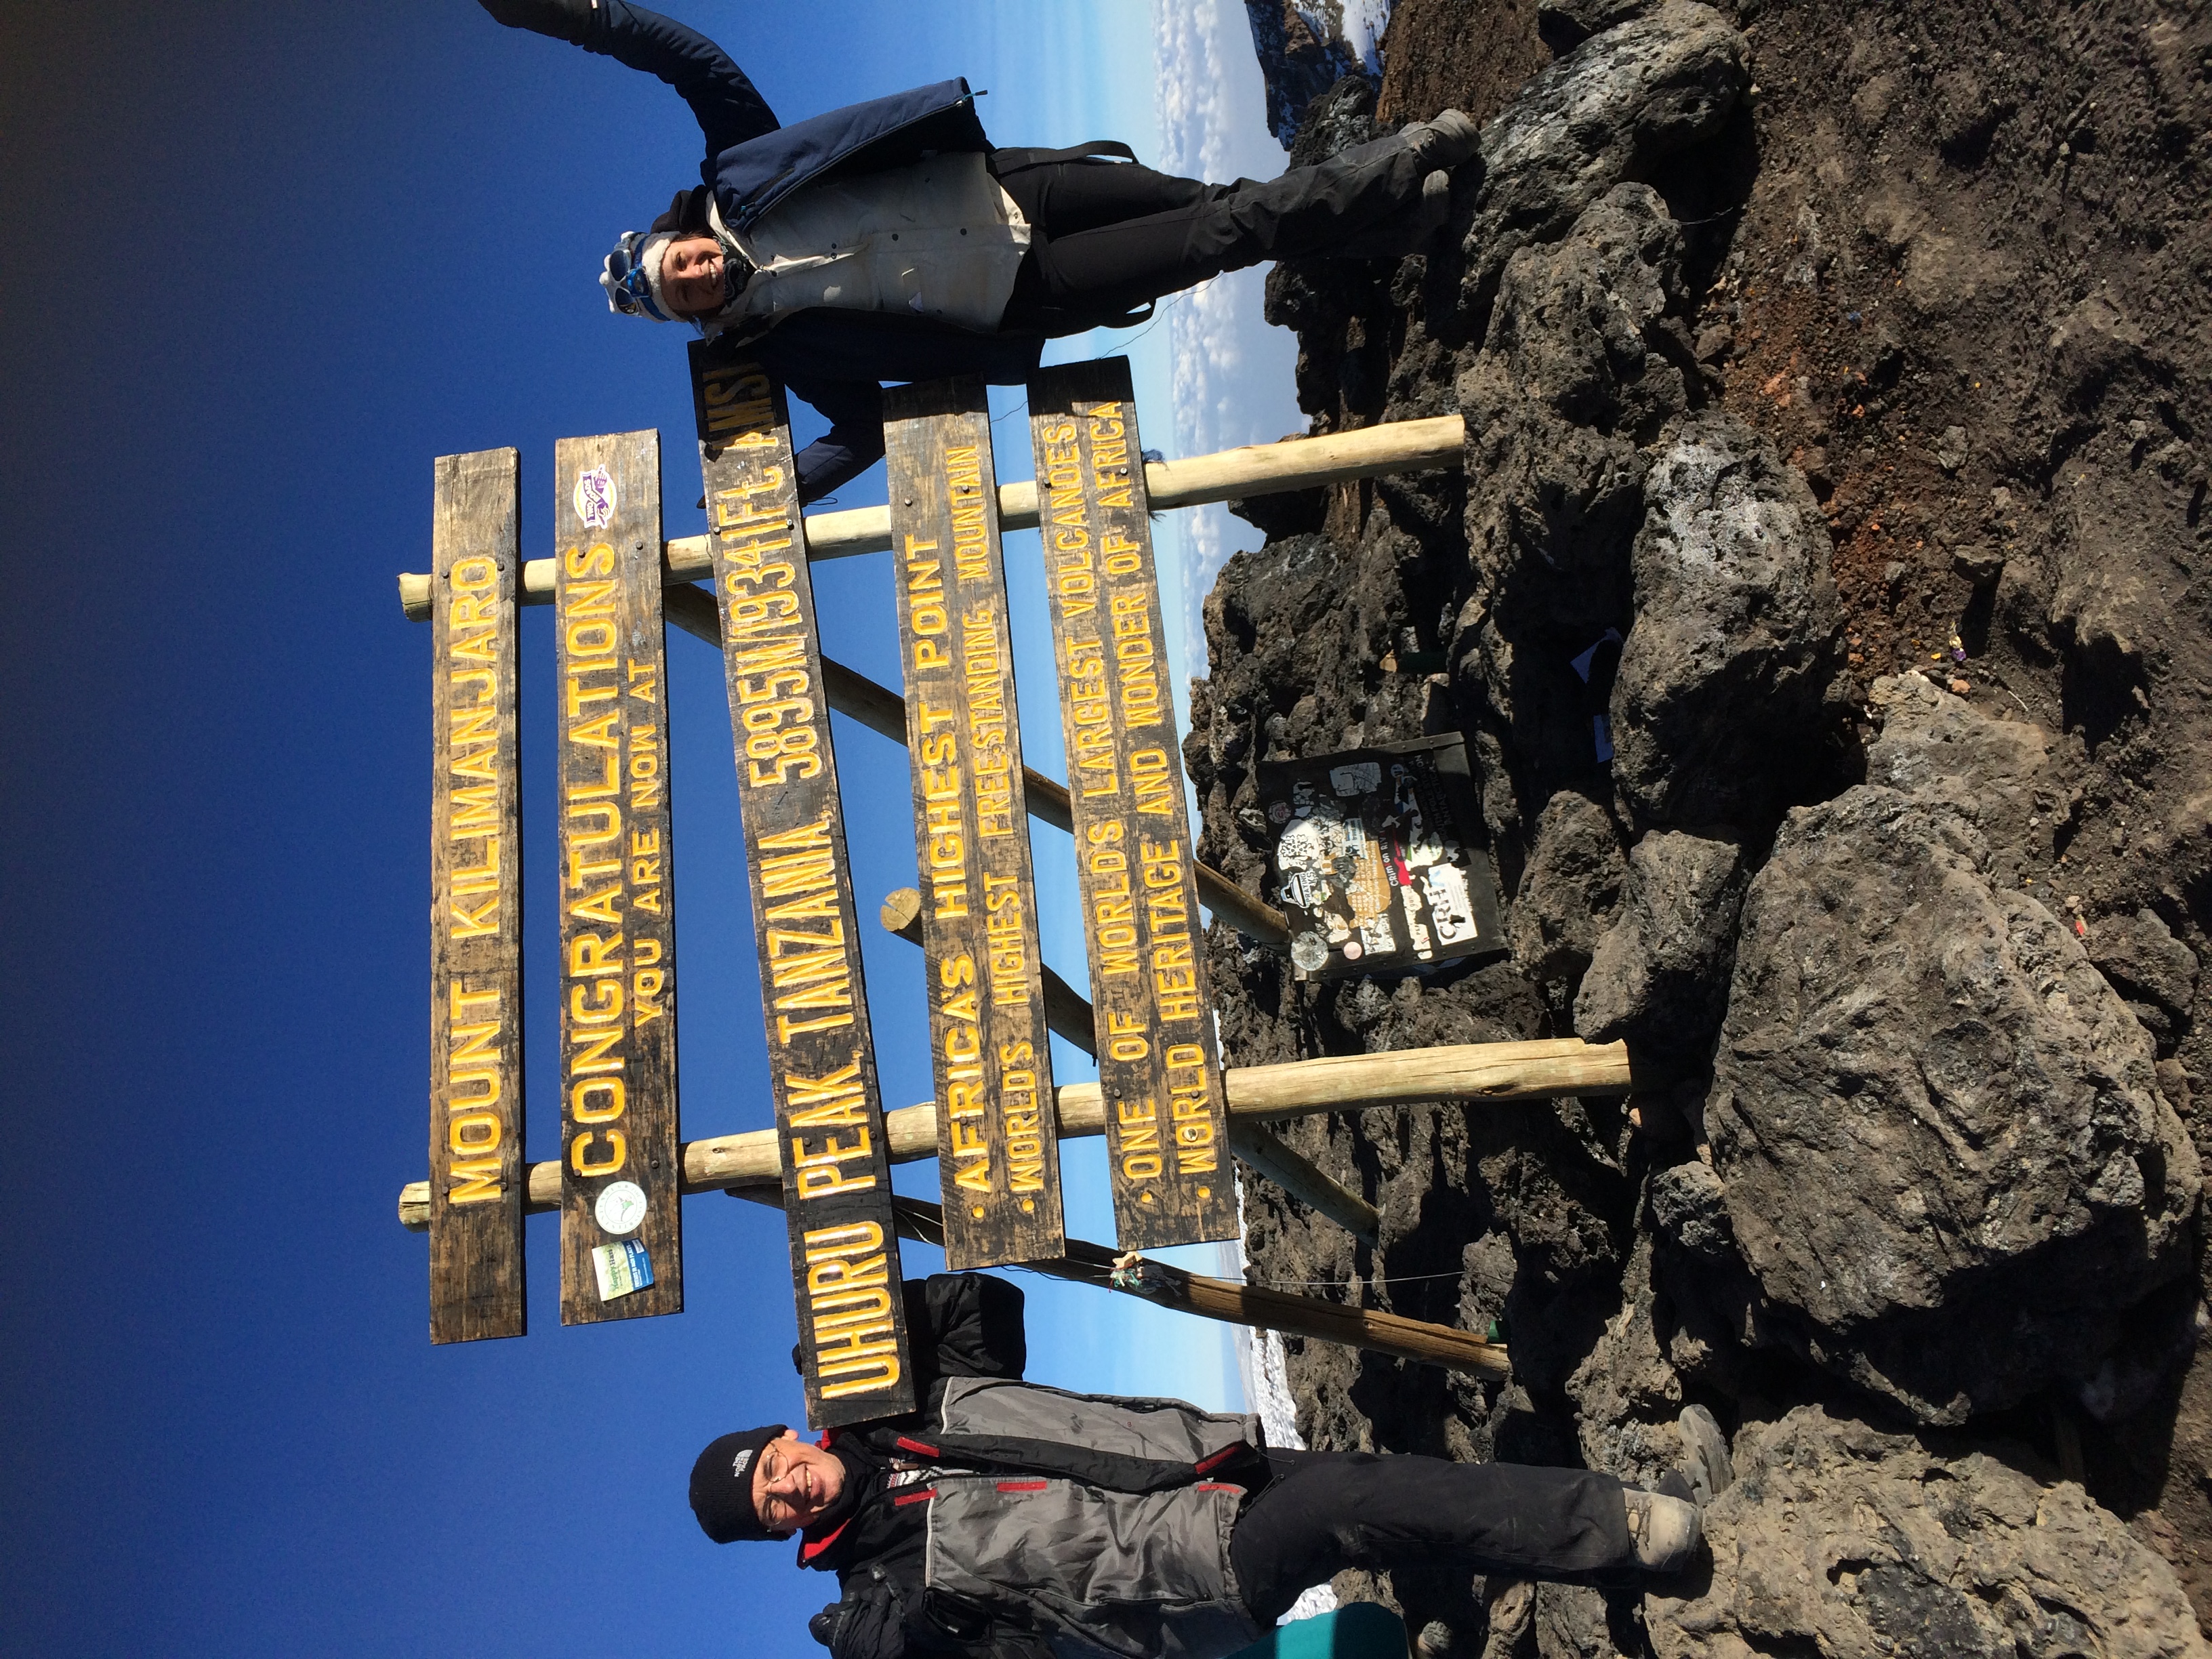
(1854, 362)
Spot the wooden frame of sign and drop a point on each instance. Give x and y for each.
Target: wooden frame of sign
(831, 1144)
(990, 1046)
(1158, 1063)
(477, 1180)
(622, 1219)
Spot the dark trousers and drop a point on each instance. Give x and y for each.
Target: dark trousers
(1325, 1511)
(1109, 237)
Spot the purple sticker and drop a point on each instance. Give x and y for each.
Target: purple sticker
(595, 498)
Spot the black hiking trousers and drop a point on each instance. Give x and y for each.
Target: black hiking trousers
(1109, 237)
(1327, 1510)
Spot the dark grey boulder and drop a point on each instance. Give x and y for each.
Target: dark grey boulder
(1611, 110)
(2000, 775)
(1689, 1207)
(2153, 970)
(1838, 1540)
(1722, 677)
(1946, 1157)
(1570, 381)
(1626, 1395)
(1568, 890)
(1658, 978)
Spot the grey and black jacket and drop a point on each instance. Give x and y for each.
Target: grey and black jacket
(1009, 1519)
(833, 359)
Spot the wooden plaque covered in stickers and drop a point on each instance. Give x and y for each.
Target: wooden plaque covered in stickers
(998, 1152)
(476, 1172)
(1159, 1067)
(621, 1221)
(822, 1062)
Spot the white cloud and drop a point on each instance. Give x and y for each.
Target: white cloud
(1231, 372)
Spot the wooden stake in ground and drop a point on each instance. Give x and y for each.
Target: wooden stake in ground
(477, 1175)
(999, 1159)
(622, 1215)
(1491, 1073)
(1158, 1063)
(831, 1148)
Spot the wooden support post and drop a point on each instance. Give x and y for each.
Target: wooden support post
(1231, 1303)
(1499, 1073)
(1070, 1016)
(621, 1218)
(880, 710)
(1159, 1064)
(998, 1157)
(476, 1174)
(1257, 470)
(832, 1160)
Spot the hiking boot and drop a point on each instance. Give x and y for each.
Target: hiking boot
(1445, 142)
(1704, 1455)
(1662, 1531)
(1410, 232)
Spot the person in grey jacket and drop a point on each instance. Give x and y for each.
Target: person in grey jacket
(891, 240)
(1007, 1519)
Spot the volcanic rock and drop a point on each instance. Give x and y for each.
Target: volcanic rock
(1658, 977)
(1722, 679)
(1613, 109)
(1839, 1539)
(1946, 1155)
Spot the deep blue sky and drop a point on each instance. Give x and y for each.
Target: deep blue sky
(261, 264)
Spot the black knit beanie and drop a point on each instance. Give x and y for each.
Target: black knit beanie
(722, 1486)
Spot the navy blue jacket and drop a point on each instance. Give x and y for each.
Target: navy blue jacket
(834, 360)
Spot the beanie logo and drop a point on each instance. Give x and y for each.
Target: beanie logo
(595, 498)
(745, 1460)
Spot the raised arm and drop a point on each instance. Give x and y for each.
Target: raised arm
(854, 442)
(728, 107)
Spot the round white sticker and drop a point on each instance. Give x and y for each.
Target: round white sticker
(620, 1206)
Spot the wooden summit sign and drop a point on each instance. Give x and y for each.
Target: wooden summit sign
(621, 1219)
(1159, 1066)
(477, 1170)
(997, 1148)
(830, 1139)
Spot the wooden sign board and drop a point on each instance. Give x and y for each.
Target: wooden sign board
(1158, 1065)
(478, 1175)
(621, 1221)
(830, 1138)
(998, 1152)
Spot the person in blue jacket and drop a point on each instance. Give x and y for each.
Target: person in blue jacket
(891, 240)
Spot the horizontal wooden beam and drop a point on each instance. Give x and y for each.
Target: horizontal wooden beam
(1255, 470)
(879, 708)
(1070, 1015)
(1543, 1070)
(1231, 1303)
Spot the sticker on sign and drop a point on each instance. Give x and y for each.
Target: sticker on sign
(621, 1268)
(595, 497)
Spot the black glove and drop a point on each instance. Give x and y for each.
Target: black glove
(564, 20)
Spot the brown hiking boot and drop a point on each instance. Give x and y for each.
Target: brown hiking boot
(1445, 142)
(1663, 1532)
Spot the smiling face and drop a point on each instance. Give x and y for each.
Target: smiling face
(794, 1483)
(691, 275)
